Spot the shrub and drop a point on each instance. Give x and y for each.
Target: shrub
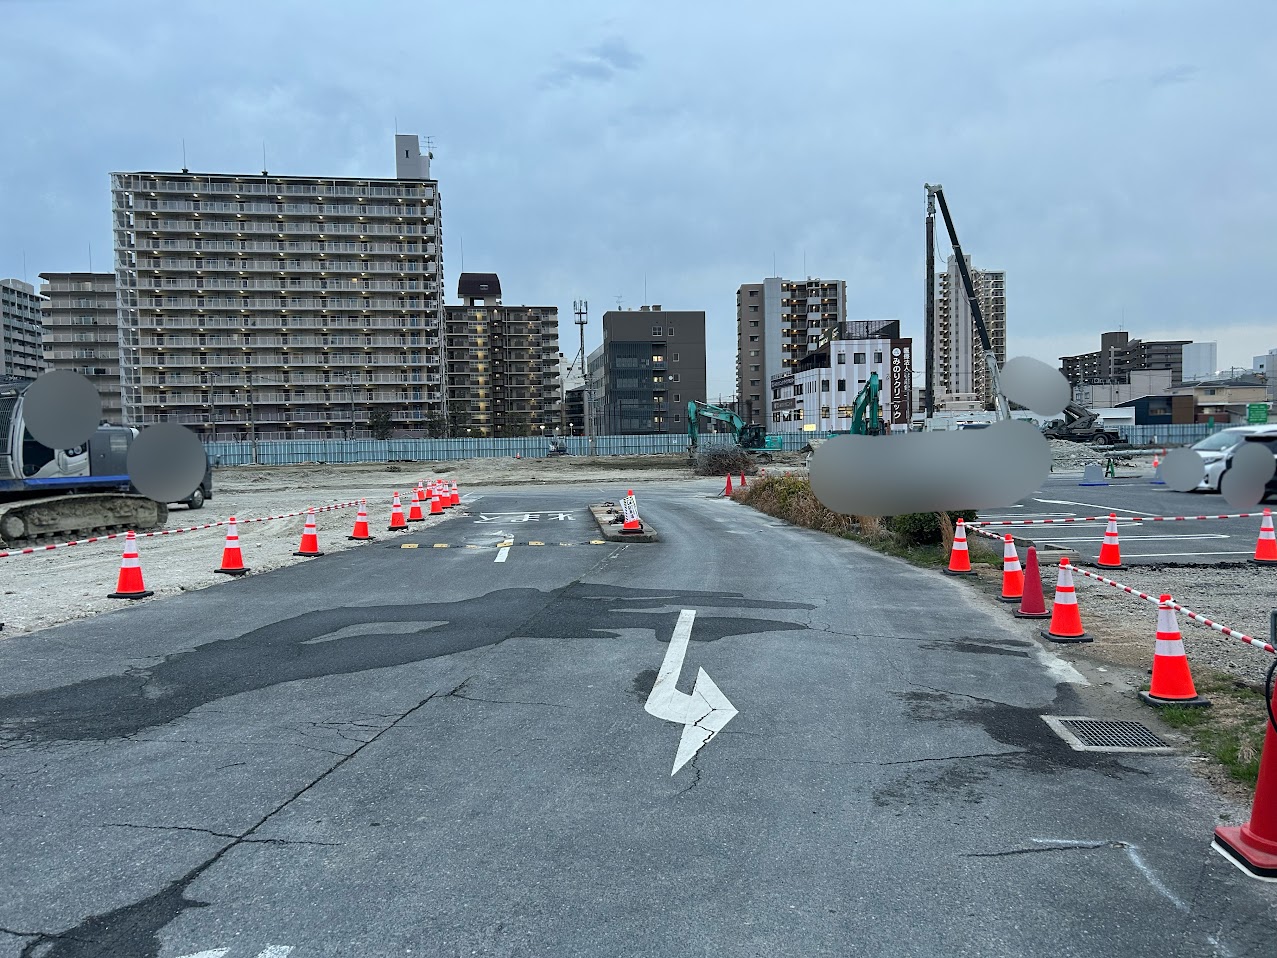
(721, 460)
(925, 528)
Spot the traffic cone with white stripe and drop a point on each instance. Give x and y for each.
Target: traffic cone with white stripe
(397, 520)
(1111, 550)
(1172, 682)
(436, 500)
(1253, 846)
(444, 494)
(129, 584)
(959, 557)
(1157, 479)
(310, 537)
(1066, 618)
(414, 510)
(454, 495)
(1012, 573)
(232, 557)
(1032, 603)
(361, 523)
(1266, 547)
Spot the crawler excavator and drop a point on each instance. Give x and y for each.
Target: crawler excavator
(69, 493)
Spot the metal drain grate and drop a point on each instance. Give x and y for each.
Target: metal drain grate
(1098, 735)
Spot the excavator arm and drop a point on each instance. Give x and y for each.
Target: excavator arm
(695, 410)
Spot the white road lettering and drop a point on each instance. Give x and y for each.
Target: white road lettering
(704, 713)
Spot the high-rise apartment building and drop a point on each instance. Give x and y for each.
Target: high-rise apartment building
(779, 321)
(502, 363)
(1119, 356)
(961, 375)
(21, 330)
(651, 363)
(82, 333)
(294, 305)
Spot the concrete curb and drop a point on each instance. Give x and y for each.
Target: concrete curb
(603, 516)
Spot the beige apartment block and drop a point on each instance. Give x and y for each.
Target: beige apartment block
(503, 363)
(279, 305)
(21, 330)
(961, 372)
(82, 333)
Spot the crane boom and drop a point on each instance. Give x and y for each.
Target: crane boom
(968, 287)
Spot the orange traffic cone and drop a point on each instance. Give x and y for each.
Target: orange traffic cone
(361, 523)
(1172, 681)
(959, 557)
(635, 524)
(444, 494)
(1066, 619)
(1032, 603)
(414, 511)
(1111, 550)
(232, 558)
(455, 496)
(310, 538)
(397, 520)
(1266, 547)
(436, 500)
(728, 490)
(1253, 846)
(742, 479)
(1157, 479)
(1012, 574)
(129, 585)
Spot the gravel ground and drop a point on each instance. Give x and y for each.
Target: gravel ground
(1123, 626)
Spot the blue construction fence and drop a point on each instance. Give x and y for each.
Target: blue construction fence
(1176, 434)
(291, 452)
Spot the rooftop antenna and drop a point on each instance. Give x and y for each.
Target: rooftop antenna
(773, 262)
(463, 253)
(90, 256)
(396, 126)
(263, 157)
(184, 169)
(430, 147)
(645, 302)
(618, 298)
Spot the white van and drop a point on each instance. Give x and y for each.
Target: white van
(1215, 450)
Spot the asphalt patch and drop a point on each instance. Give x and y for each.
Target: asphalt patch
(303, 647)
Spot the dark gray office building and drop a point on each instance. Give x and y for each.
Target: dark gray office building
(651, 363)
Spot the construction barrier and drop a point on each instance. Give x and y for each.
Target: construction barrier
(31, 550)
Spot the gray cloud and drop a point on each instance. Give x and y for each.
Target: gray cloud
(598, 64)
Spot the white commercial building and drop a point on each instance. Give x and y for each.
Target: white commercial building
(821, 392)
(293, 305)
(21, 331)
(1199, 361)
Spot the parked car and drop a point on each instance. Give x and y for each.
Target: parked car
(1268, 440)
(1216, 448)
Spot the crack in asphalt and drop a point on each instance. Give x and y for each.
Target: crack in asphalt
(209, 831)
(134, 929)
(1046, 849)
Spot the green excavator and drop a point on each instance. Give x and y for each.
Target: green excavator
(751, 437)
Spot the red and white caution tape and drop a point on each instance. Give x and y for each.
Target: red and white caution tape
(31, 550)
(1232, 633)
(1071, 520)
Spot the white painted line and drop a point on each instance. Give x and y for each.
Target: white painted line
(1092, 505)
(1032, 515)
(276, 951)
(212, 953)
(1131, 538)
(704, 713)
(502, 553)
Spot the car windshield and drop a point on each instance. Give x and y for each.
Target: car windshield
(1220, 441)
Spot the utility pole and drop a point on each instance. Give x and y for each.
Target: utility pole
(581, 308)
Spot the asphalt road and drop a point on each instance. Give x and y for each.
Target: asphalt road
(427, 751)
(1195, 541)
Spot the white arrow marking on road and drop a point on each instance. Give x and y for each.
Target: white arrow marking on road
(704, 713)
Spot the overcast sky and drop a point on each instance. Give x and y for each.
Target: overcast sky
(1115, 157)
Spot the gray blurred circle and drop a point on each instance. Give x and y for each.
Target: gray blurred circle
(1035, 385)
(1242, 484)
(166, 462)
(1183, 470)
(61, 409)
